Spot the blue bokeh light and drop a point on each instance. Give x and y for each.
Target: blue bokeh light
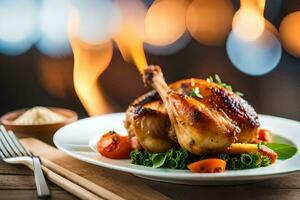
(53, 26)
(254, 57)
(18, 26)
(99, 20)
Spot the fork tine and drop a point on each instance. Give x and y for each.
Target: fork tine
(4, 151)
(2, 155)
(20, 146)
(10, 141)
(5, 143)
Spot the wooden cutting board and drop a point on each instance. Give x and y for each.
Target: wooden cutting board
(125, 185)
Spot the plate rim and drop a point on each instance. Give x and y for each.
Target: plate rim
(175, 176)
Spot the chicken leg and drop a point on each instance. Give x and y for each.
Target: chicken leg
(199, 128)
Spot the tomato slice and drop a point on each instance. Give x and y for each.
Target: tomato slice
(265, 135)
(210, 165)
(115, 146)
(266, 151)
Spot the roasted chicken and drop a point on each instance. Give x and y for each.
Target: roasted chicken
(168, 117)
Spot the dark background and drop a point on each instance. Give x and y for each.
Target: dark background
(34, 79)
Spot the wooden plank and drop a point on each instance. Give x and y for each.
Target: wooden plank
(31, 195)
(279, 188)
(17, 182)
(123, 184)
(237, 193)
(21, 182)
(287, 182)
(6, 168)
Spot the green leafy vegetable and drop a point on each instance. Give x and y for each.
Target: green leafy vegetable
(245, 161)
(216, 79)
(158, 160)
(284, 151)
(179, 159)
(195, 93)
(174, 159)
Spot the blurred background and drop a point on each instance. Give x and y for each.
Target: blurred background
(106, 39)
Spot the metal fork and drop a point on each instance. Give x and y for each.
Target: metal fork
(12, 151)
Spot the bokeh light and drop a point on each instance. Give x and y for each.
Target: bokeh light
(290, 33)
(165, 22)
(248, 24)
(54, 40)
(99, 20)
(165, 27)
(254, 57)
(209, 22)
(171, 48)
(18, 26)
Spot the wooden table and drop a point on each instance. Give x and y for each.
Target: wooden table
(17, 182)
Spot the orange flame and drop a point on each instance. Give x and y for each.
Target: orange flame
(131, 35)
(90, 61)
(131, 48)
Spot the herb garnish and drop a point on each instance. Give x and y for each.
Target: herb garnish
(179, 159)
(245, 161)
(284, 151)
(174, 159)
(196, 93)
(260, 145)
(216, 79)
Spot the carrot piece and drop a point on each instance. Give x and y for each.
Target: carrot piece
(211, 165)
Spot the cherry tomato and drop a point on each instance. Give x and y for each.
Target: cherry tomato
(266, 151)
(265, 135)
(210, 165)
(115, 146)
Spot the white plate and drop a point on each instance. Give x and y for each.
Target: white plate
(75, 139)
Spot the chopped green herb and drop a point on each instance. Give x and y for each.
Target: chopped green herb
(195, 93)
(239, 93)
(284, 151)
(260, 145)
(265, 161)
(216, 79)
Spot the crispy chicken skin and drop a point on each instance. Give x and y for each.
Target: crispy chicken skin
(168, 117)
(147, 119)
